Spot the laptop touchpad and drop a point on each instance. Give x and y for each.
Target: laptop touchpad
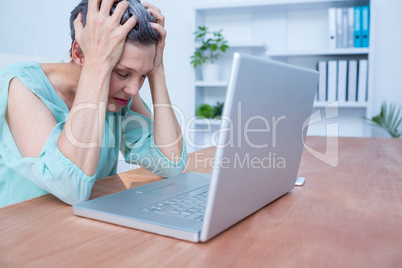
(165, 189)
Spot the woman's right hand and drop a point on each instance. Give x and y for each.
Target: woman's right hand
(102, 39)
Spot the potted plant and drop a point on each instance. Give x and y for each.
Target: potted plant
(213, 45)
(207, 111)
(218, 109)
(389, 119)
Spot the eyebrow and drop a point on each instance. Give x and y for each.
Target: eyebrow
(120, 66)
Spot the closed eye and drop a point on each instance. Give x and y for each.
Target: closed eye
(122, 74)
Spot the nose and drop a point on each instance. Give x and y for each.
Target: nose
(132, 89)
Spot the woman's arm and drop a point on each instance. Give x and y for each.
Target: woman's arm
(36, 132)
(82, 134)
(167, 132)
(98, 48)
(101, 43)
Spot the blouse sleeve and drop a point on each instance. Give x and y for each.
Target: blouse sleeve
(138, 146)
(51, 171)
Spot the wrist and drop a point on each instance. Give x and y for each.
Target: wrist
(94, 82)
(97, 67)
(157, 72)
(97, 64)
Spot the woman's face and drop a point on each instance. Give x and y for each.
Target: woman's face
(129, 74)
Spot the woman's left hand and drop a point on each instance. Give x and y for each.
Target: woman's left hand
(158, 26)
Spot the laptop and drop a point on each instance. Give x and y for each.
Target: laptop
(258, 153)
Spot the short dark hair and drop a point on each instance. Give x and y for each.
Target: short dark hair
(142, 33)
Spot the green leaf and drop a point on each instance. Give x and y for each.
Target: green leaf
(214, 46)
(389, 119)
(223, 48)
(205, 111)
(218, 108)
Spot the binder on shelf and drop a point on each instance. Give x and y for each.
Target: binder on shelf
(358, 28)
(365, 25)
(351, 26)
(322, 82)
(342, 81)
(362, 82)
(352, 80)
(332, 80)
(332, 27)
(339, 28)
(345, 26)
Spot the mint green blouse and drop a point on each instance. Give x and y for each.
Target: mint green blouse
(23, 178)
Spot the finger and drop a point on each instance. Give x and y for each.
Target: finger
(119, 11)
(106, 6)
(155, 12)
(128, 25)
(78, 27)
(148, 5)
(159, 28)
(158, 16)
(93, 6)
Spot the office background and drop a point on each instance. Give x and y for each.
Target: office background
(41, 28)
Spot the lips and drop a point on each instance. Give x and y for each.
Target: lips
(121, 102)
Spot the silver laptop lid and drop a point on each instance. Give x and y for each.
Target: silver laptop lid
(261, 139)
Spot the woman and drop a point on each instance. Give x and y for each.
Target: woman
(62, 125)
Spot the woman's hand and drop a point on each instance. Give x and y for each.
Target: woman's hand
(102, 39)
(158, 26)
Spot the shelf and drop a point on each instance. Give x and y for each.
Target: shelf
(217, 122)
(245, 45)
(342, 104)
(321, 52)
(290, 31)
(211, 84)
(206, 121)
(276, 5)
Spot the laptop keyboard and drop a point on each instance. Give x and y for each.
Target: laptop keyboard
(189, 205)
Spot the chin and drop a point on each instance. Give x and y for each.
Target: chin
(113, 108)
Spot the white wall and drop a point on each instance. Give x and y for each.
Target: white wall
(36, 27)
(387, 61)
(40, 28)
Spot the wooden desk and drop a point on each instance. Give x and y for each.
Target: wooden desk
(349, 215)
